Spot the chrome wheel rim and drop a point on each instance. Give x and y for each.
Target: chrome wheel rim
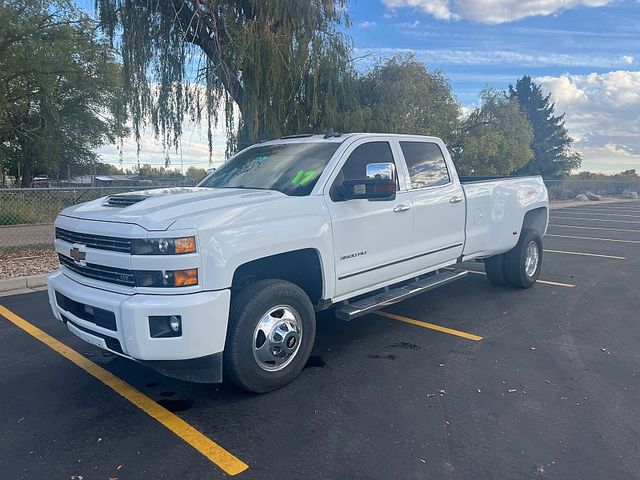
(532, 259)
(277, 338)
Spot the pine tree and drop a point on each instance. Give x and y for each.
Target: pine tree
(552, 145)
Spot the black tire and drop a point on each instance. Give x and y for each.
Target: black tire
(515, 261)
(494, 268)
(247, 308)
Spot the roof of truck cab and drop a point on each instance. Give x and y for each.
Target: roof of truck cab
(341, 138)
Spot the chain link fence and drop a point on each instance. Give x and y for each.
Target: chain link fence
(27, 215)
(569, 188)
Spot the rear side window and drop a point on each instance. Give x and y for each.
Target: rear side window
(426, 164)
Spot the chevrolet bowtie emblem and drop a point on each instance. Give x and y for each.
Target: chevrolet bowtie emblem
(77, 255)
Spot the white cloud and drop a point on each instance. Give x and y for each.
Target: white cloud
(194, 151)
(492, 11)
(602, 115)
(628, 59)
(438, 8)
(367, 24)
(414, 24)
(499, 57)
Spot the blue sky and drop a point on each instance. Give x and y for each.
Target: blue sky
(585, 52)
(474, 54)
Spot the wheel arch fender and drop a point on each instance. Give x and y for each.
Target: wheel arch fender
(536, 219)
(303, 267)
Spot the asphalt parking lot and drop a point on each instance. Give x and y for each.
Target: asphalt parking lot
(542, 383)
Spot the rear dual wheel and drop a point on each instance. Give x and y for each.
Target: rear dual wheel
(520, 267)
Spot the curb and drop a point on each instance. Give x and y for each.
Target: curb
(22, 283)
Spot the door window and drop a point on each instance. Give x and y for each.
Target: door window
(356, 165)
(426, 164)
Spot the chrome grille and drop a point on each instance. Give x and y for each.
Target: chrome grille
(95, 241)
(100, 272)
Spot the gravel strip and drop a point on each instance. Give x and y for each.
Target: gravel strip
(27, 262)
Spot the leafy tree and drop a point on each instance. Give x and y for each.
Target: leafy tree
(59, 88)
(628, 173)
(284, 64)
(402, 96)
(551, 145)
(495, 138)
(195, 175)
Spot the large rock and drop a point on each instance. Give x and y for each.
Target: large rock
(593, 197)
(581, 198)
(630, 194)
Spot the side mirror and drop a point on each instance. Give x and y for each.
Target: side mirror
(379, 184)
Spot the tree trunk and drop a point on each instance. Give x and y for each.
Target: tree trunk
(27, 161)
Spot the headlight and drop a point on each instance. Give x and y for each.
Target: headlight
(164, 246)
(167, 279)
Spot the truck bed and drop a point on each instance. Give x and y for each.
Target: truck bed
(495, 209)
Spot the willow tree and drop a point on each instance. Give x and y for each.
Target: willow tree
(495, 138)
(402, 96)
(271, 67)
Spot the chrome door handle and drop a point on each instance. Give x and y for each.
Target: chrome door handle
(402, 208)
(455, 199)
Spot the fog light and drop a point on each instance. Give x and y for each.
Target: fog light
(166, 326)
(174, 323)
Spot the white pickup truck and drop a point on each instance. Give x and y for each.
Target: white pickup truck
(228, 276)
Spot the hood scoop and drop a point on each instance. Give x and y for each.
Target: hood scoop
(123, 201)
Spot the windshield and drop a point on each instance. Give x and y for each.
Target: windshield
(290, 168)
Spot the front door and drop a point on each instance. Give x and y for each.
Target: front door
(372, 238)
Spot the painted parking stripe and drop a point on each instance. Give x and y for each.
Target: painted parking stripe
(595, 219)
(207, 447)
(593, 238)
(587, 212)
(596, 228)
(431, 326)
(546, 282)
(584, 254)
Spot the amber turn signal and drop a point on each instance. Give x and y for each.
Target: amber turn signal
(185, 278)
(185, 245)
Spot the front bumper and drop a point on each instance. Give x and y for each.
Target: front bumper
(196, 355)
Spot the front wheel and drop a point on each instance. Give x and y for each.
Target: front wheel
(522, 264)
(270, 335)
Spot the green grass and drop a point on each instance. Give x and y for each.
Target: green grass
(13, 218)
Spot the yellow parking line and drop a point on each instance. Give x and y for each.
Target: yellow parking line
(546, 282)
(613, 257)
(596, 228)
(207, 447)
(450, 331)
(595, 219)
(593, 238)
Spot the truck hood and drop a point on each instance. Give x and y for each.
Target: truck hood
(159, 208)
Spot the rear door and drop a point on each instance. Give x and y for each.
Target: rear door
(372, 238)
(438, 203)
